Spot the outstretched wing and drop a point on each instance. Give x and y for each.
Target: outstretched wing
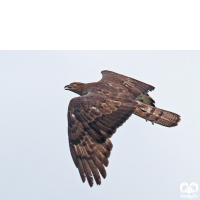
(92, 120)
(134, 86)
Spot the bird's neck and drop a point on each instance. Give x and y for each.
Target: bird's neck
(87, 87)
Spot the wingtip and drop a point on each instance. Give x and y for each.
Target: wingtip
(90, 183)
(104, 71)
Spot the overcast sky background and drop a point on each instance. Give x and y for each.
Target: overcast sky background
(147, 161)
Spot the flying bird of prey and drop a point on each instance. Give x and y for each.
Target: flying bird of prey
(102, 107)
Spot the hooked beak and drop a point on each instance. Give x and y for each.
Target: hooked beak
(67, 87)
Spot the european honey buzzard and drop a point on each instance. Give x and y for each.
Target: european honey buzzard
(95, 116)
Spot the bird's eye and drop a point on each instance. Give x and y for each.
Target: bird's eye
(75, 85)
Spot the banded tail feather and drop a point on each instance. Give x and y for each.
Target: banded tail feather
(156, 115)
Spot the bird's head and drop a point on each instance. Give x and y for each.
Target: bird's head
(76, 87)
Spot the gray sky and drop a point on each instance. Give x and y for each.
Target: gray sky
(147, 161)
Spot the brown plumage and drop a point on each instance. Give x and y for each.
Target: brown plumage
(95, 116)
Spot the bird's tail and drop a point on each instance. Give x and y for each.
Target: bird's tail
(156, 115)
